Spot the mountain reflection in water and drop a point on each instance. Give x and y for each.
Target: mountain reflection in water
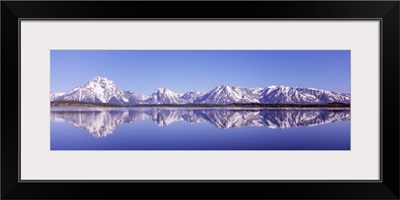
(102, 122)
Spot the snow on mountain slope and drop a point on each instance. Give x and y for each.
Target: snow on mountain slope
(192, 96)
(102, 90)
(285, 94)
(165, 96)
(54, 96)
(224, 94)
(143, 97)
(131, 98)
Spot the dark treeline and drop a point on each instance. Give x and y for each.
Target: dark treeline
(239, 105)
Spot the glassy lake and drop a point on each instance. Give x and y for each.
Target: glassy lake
(199, 129)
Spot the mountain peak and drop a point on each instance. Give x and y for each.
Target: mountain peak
(101, 82)
(223, 87)
(98, 78)
(283, 87)
(162, 89)
(164, 95)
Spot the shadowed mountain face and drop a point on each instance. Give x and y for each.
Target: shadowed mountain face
(101, 123)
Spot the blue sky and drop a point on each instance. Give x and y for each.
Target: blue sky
(143, 71)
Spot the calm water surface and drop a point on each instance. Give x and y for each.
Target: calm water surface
(199, 129)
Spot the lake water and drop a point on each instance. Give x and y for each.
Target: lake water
(199, 129)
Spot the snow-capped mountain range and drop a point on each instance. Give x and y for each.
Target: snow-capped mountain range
(101, 123)
(102, 90)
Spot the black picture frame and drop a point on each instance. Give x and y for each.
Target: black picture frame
(386, 11)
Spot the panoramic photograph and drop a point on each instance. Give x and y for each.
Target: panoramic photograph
(200, 100)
